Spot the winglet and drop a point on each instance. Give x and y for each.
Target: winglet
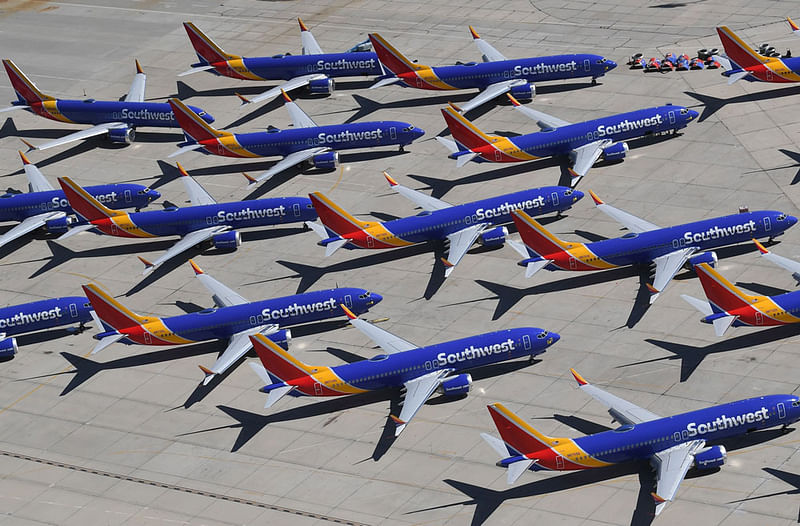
(286, 96)
(761, 248)
(651, 288)
(197, 270)
(454, 106)
(303, 27)
(658, 498)
(397, 420)
(23, 157)
(206, 370)
(138, 66)
(792, 24)
(250, 178)
(447, 264)
(242, 98)
(29, 145)
(596, 199)
(514, 101)
(477, 37)
(578, 377)
(182, 171)
(388, 177)
(147, 264)
(348, 312)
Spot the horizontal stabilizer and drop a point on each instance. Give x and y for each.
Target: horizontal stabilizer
(721, 324)
(318, 229)
(516, 469)
(106, 341)
(521, 249)
(535, 266)
(261, 372)
(12, 108)
(464, 159)
(195, 70)
(385, 82)
(703, 307)
(276, 394)
(333, 246)
(737, 76)
(725, 62)
(450, 144)
(75, 230)
(495, 443)
(185, 149)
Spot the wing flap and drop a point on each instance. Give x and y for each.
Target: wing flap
(28, 224)
(460, 242)
(418, 391)
(287, 162)
(492, 91)
(297, 82)
(184, 244)
(672, 465)
(99, 129)
(666, 268)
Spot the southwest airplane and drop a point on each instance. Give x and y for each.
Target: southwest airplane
(672, 445)
(728, 305)
(40, 315)
(419, 370)
(313, 68)
(233, 318)
(46, 207)
(645, 243)
(495, 76)
(118, 119)
(306, 141)
(743, 62)
(460, 225)
(204, 220)
(584, 142)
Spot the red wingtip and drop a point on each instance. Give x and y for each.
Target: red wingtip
(514, 101)
(397, 420)
(761, 248)
(474, 33)
(348, 312)
(447, 264)
(303, 27)
(286, 96)
(147, 264)
(792, 24)
(658, 498)
(578, 377)
(388, 177)
(197, 270)
(454, 106)
(23, 157)
(596, 199)
(182, 171)
(652, 289)
(29, 145)
(573, 173)
(138, 66)
(242, 98)
(249, 178)
(206, 370)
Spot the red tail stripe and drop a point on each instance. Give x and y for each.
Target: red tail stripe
(108, 312)
(535, 240)
(394, 63)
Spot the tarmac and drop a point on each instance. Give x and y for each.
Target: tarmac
(128, 436)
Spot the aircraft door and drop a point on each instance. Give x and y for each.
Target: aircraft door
(393, 133)
(370, 242)
(147, 339)
(554, 197)
(348, 301)
(769, 75)
(781, 410)
(767, 224)
(114, 229)
(759, 318)
(498, 155)
(672, 117)
(587, 65)
(128, 196)
(419, 82)
(317, 389)
(73, 310)
(559, 462)
(428, 365)
(296, 210)
(573, 264)
(526, 342)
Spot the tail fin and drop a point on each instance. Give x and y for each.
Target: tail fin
(83, 203)
(111, 312)
(278, 362)
(392, 59)
(334, 217)
(26, 90)
(536, 237)
(467, 134)
(738, 51)
(517, 434)
(205, 48)
(721, 292)
(192, 125)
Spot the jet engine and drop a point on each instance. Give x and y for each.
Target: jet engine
(524, 92)
(326, 160)
(494, 237)
(281, 337)
(615, 152)
(704, 257)
(321, 86)
(58, 225)
(456, 385)
(227, 240)
(121, 135)
(711, 458)
(8, 347)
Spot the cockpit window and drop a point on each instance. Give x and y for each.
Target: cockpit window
(542, 335)
(201, 113)
(568, 192)
(796, 403)
(601, 61)
(684, 111)
(365, 295)
(781, 217)
(408, 128)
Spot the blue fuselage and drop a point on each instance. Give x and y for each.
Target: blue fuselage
(44, 314)
(132, 114)
(286, 67)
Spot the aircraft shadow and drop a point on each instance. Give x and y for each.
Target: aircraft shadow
(691, 357)
(764, 290)
(790, 478)
(711, 105)
(48, 335)
(587, 427)
(794, 156)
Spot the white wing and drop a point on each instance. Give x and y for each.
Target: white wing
(238, 345)
(418, 391)
(584, 158)
(629, 221)
(310, 46)
(789, 264)
(28, 225)
(621, 410)
(386, 340)
(543, 120)
(136, 91)
(424, 201)
(223, 295)
(83, 134)
(197, 194)
(287, 162)
(300, 119)
(460, 242)
(666, 268)
(195, 70)
(671, 466)
(491, 91)
(297, 82)
(36, 180)
(490, 54)
(184, 244)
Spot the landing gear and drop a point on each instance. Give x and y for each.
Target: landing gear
(594, 81)
(402, 148)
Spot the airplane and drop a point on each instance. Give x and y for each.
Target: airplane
(233, 318)
(672, 445)
(313, 68)
(728, 305)
(46, 207)
(40, 315)
(204, 220)
(420, 370)
(645, 243)
(584, 142)
(460, 225)
(495, 76)
(117, 119)
(743, 62)
(306, 142)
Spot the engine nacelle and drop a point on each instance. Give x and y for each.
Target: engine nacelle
(321, 86)
(494, 237)
(281, 337)
(704, 257)
(227, 240)
(711, 458)
(524, 92)
(326, 161)
(8, 347)
(456, 385)
(615, 152)
(58, 225)
(121, 135)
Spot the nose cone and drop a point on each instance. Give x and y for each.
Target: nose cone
(152, 195)
(577, 195)
(552, 338)
(375, 298)
(791, 220)
(692, 115)
(610, 64)
(418, 132)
